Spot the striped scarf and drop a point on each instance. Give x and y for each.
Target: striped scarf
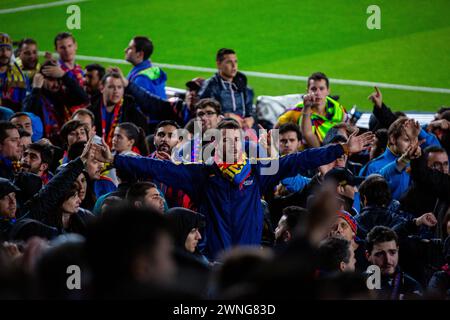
(236, 172)
(117, 115)
(51, 119)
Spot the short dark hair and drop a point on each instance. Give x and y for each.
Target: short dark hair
(145, 45)
(84, 112)
(431, 149)
(446, 115)
(375, 190)
(222, 52)
(228, 124)
(381, 142)
(19, 114)
(62, 36)
(380, 234)
(316, 76)
(70, 126)
(165, 123)
(290, 127)
(332, 252)
(112, 74)
(208, 102)
(44, 150)
(294, 216)
(96, 67)
(25, 41)
(138, 190)
(5, 125)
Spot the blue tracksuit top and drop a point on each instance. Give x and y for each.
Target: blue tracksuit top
(234, 216)
(156, 86)
(386, 165)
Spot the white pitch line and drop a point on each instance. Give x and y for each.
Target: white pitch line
(277, 76)
(39, 6)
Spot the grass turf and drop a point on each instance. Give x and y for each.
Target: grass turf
(286, 37)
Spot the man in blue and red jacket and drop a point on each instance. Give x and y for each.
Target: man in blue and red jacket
(228, 186)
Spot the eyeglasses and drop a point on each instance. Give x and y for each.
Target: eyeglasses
(207, 113)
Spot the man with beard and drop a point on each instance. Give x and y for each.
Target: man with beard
(36, 159)
(144, 74)
(53, 105)
(28, 57)
(13, 82)
(166, 139)
(10, 150)
(382, 251)
(92, 81)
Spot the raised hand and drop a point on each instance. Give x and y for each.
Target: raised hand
(119, 71)
(38, 80)
(161, 155)
(412, 129)
(87, 151)
(427, 219)
(376, 97)
(359, 143)
(102, 152)
(53, 72)
(309, 100)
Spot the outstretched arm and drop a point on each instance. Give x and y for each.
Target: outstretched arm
(292, 164)
(182, 176)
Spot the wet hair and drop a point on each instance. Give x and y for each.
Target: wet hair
(316, 76)
(380, 234)
(375, 190)
(145, 45)
(136, 133)
(290, 127)
(222, 52)
(208, 102)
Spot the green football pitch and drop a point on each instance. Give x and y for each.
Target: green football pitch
(281, 37)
